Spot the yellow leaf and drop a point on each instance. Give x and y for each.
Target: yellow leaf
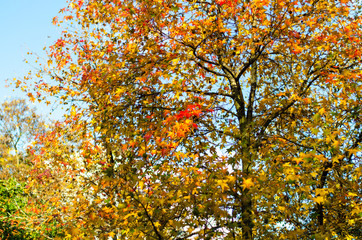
(319, 199)
(175, 61)
(313, 174)
(349, 237)
(222, 184)
(247, 183)
(321, 111)
(231, 179)
(350, 194)
(73, 113)
(335, 144)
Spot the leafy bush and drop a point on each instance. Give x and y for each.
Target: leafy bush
(12, 200)
(13, 214)
(12, 196)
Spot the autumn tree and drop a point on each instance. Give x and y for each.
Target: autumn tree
(214, 119)
(19, 123)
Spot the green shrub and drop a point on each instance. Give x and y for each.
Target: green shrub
(13, 218)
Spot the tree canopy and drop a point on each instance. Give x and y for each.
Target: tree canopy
(19, 123)
(213, 119)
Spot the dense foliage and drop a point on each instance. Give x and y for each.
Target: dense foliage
(12, 199)
(15, 214)
(22, 215)
(213, 119)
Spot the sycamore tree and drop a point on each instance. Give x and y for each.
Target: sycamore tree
(212, 119)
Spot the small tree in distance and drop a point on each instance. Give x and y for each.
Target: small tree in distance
(19, 123)
(215, 119)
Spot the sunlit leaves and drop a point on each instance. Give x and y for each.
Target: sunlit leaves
(205, 119)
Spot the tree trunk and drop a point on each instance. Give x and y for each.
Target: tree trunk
(247, 219)
(247, 158)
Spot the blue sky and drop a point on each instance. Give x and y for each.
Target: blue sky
(26, 26)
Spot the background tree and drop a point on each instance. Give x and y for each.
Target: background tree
(210, 119)
(18, 124)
